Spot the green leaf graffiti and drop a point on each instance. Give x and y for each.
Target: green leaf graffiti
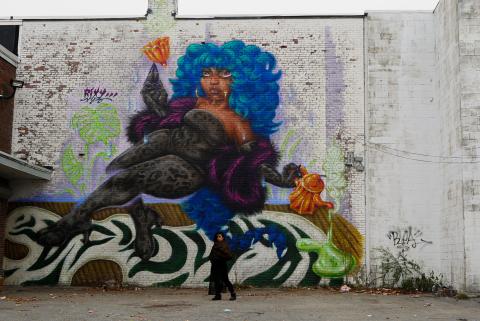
(98, 127)
(71, 166)
(97, 124)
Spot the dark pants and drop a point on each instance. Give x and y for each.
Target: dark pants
(219, 275)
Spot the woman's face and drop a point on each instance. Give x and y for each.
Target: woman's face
(219, 237)
(216, 84)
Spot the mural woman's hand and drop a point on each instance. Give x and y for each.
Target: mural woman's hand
(154, 94)
(290, 173)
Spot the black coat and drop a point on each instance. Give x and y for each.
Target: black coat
(219, 256)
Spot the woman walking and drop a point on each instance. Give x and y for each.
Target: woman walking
(219, 256)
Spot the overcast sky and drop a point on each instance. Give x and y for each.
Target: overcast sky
(189, 8)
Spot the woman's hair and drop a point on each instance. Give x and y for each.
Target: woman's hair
(254, 91)
(219, 233)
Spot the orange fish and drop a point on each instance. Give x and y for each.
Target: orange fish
(305, 198)
(158, 50)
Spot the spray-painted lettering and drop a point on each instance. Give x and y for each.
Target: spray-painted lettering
(407, 238)
(97, 95)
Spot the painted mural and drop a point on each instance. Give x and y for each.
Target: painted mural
(206, 154)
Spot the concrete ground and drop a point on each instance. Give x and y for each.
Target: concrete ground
(72, 304)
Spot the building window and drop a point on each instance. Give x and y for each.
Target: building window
(9, 38)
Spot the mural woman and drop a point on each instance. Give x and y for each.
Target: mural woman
(210, 141)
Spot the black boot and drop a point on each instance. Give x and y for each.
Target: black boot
(233, 296)
(217, 297)
(144, 219)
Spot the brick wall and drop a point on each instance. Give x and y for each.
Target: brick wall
(3, 220)
(60, 59)
(321, 99)
(420, 121)
(7, 73)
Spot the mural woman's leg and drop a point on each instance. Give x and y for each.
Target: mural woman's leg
(195, 140)
(166, 177)
(144, 218)
(157, 146)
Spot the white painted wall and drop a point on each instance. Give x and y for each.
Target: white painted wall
(448, 91)
(403, 194)
(469, 44)
(423, 98)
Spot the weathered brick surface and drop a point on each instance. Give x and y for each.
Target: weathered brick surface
(421, 118)
(59, 59)
(3, 220)
(7, 73)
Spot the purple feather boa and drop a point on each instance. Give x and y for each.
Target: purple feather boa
(235, 176)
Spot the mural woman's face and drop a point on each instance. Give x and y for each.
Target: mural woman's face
(216, 84)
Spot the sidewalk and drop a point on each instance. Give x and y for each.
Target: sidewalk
(74, 303)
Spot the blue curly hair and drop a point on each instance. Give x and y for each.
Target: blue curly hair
(254, 91)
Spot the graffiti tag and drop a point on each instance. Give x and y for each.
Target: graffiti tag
(407, 238)
(97, 95)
